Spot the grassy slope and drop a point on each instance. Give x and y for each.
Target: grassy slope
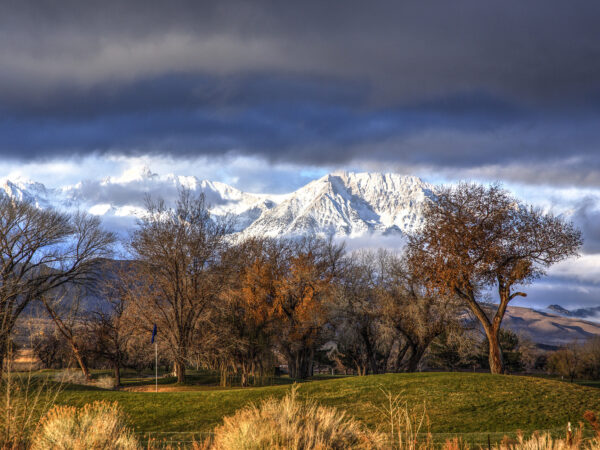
(455, 402)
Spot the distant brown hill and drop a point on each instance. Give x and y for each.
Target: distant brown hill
(548, 329)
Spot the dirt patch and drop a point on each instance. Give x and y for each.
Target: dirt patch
(172, 388)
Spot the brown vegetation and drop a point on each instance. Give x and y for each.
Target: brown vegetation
(293, 424)
(478, 237)
(245, 309)
(42, 251)
(99, 425)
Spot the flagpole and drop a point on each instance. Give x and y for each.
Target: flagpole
(156, 364)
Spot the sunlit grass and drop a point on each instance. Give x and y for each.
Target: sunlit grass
(465, 403)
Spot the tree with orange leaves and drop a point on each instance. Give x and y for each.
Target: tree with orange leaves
(476, 239)
(300, 303)
(246, 313)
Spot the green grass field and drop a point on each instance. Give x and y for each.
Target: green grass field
(472, 405)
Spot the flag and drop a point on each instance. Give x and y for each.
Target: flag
(153, 334)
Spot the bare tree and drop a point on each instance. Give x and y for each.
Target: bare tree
(591, 351)
(110, 326)
(478, 237)
(63, 307)
(177, 275)
(419, 315)
(40, 251)
(567, 361)
(51, 349)
(358, 316)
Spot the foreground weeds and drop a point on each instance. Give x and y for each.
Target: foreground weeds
(99, 425)
(24, 400)
(292, 424)
(287, 423)
(406, 424)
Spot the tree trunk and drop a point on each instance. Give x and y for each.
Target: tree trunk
(300, 363)
(495, 353)
(223, 377)
(244, 375)
(180, 371)
(415, 358)
(80, 361)
(3, 352)
(401, 354)
(492, 329)
(117, 371)
(361, 370)
(371, 356)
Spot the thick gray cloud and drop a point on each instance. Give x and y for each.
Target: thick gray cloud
(541, 50)
(469, 85)
(587, 219)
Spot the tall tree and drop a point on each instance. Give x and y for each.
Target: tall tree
(177, 275)
(41, 251)
(110, 326)
(476, 238)
(300, 303)
(63, 307)
(357, 313)
(246, 312)
(418, 314)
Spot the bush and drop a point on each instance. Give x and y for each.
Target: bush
(291, 424)
(544, 441)
(99, 425)
(106, 382)
(71, 376)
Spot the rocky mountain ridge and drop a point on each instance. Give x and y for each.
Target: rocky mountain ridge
(340, 204)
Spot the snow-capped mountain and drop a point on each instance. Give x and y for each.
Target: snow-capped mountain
(347, 204)
(590, 313)
(343, 203)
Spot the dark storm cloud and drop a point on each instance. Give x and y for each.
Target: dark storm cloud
(560, 292)
(465, 84)
(587, 219)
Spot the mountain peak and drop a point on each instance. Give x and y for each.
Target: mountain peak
(348, 204)
(133, 174)
(342, 203)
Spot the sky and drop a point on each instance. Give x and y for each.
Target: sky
(268, 95)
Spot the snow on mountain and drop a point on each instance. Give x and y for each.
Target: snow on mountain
(347, 204)
(120, 200)
(28, 191)
(590, 313)
(343, 203)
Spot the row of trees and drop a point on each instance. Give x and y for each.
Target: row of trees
(238, 307)
(577, 360)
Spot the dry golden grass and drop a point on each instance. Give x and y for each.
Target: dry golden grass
(406, 424)
(292, 424)
(545, 441)
(24, 400)
(99, 425)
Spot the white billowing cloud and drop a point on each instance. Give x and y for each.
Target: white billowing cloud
(119, 183)
(585, 269)
(246, 173)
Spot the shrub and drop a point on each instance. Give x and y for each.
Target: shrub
(70, 376)
(99, 425)
(291, 424)
(545, 441)
(105, 382)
